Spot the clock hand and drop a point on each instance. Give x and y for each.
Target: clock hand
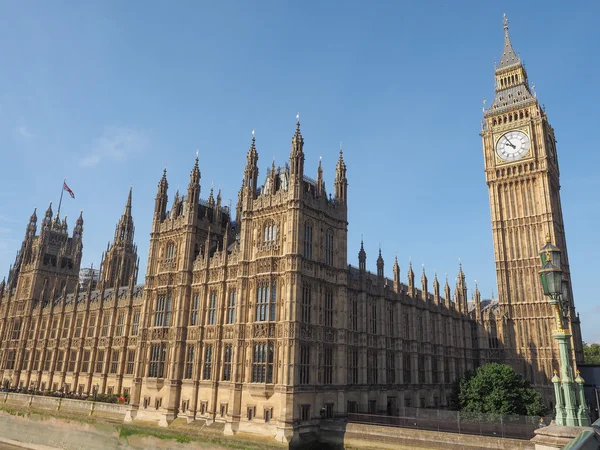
(510, 143)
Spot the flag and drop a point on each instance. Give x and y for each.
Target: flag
(66, 188)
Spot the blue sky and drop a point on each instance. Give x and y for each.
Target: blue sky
(106, 93)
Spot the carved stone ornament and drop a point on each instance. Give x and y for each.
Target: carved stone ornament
(261, 330)
(133, 341)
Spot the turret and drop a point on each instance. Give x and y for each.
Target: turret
(193, 196)
(411, 280)
(380, 266)
(47, 222)
(297, 155)
(477, 301)
(160, 203)
(320, 182)
(31, 226)
(78, 230)
(362, 258)
(125, 229)
(424, 287)
(447, 295)
(461, 290)
(341, 183)
(436, 289)
(396, 271)
(251, 170)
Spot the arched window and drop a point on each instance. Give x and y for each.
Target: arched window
(270, 233)
(329, 247)
(266, 300)
(170, 252)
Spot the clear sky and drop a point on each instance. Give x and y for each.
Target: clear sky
(105, 93)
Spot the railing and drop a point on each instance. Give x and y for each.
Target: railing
(516, 427)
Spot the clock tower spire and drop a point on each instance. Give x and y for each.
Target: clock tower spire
(522, 174)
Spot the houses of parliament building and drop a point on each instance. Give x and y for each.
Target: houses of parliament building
(254, 316)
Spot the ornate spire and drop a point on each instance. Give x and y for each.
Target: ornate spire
(341, 183)
(362, 257)
(78, 230)
(251, 170)
(297, 154)
(160, 205)
(127, 211)
(380, 264)
(508, 57)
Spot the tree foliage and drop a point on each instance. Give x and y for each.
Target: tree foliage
(591, 353)
(496, 389)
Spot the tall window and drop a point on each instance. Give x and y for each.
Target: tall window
(390, 323)
(10, 360)
(91, 325)
(162, 313)
(266, 300)
(208, 357)
(194, 309)
(434, 370)
(158, 356)
(99, 361)
(120, 324)
(328, 365)
(354, 313)
(231, 306)
(135, 326)
(72, 360)
(105, 322)
(329, 248)
(85, 365)
(406, 326)
(353, 363)
(26, 357)
(47, 360)
(130, 361)
(308, 241)
(54, 329)
(306, 303)
(43, 329)
(407, 368)
(447, 370)
(372, 366)
(114, 363)
(60, 361)
(421, 368)
(270, 233)
(66, 326)
(262, 366)
(78, 325)
(36, 360)
(328, 308)
(227, 355)
(170, 252)
(373, 322)
(212, 308)
(189, 362)
(304, 364)
(16, 331)
(390, 367)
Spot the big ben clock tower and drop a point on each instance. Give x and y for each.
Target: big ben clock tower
(522, 174)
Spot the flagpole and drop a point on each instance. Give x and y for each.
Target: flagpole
(60, 201)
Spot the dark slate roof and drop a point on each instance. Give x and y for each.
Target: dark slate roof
(509, 57)
(509, 98)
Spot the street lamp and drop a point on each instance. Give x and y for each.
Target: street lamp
(95, 389)
(568, 411)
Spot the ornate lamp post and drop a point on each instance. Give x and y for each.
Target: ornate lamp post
(570, 407)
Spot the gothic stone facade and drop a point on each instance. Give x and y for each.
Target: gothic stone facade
(257, 320)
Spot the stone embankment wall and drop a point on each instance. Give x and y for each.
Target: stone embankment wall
(365, 436)
(54, 423)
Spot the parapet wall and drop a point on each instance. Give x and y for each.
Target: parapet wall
(65, 405)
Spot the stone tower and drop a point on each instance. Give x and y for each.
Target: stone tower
(522, 174)
(120, 260)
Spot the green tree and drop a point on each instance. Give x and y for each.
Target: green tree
(591, 353)
(496, 389)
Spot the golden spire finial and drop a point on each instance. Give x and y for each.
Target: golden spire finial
(548, 238)
(577, 372)
(555, 372)
(505, 22)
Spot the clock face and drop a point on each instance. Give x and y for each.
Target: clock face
(513, 145)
